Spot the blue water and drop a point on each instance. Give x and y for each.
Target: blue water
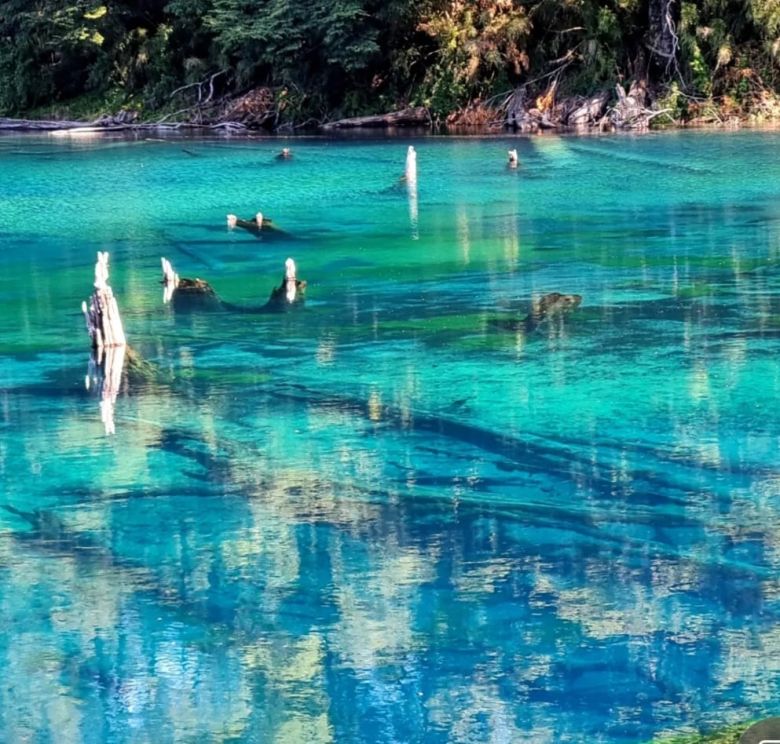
(394, 514)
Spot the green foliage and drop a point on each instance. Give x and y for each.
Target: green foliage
(476, 43)
(673, 99)
(318, 45)
(360, 56)
(698, 72)
(43, 42)
(86, 107)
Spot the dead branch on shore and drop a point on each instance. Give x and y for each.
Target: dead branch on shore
(631, 110)
(199, 87)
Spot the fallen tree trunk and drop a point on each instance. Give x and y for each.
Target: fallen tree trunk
(411, 117)
(36, 125)
(85, 128)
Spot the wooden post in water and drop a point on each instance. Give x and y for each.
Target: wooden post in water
(108, 343)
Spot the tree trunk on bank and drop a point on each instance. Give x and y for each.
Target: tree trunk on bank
(411, 117)
(662, 41)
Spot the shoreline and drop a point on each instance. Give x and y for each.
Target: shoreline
(152, 132)
(624, 117)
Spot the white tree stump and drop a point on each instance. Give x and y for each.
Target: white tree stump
(104, 324)
(170, 280)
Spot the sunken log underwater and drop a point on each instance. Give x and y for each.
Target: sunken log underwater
(188, 295)
(550, 307)
(260, 226)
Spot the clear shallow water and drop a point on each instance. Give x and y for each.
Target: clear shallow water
(383, 518)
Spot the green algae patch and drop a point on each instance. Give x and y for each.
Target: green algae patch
(728, 735)
(496, 341)
(639, 284)
(139, 369)
(476, 332)
(224, 377)
(473, 323)
(693, 291)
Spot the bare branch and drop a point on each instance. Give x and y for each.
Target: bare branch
(183, 87)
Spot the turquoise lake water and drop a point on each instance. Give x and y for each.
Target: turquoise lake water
(394, 514)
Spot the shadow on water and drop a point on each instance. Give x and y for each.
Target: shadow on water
(553, 456)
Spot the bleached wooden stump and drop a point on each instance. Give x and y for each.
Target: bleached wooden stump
(290, 280)
(170, 280)
(104, 324)
(289, 292)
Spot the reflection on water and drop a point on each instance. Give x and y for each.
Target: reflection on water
(411, 188)
(401, 514)
(104, 376)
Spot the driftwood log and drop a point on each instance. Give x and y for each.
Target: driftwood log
(90, 128)
(41, 125)
(631, 111)
(411, 117)
(547, 112)
(589, 111)
(257, 109)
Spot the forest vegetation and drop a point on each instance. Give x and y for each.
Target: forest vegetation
(311, 61)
